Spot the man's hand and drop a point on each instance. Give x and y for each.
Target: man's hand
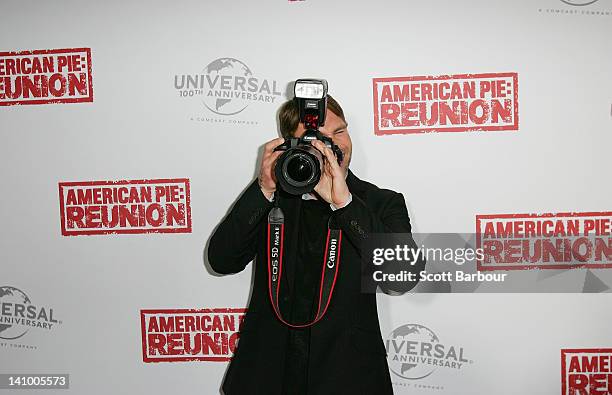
(332, 186)
(267, 181)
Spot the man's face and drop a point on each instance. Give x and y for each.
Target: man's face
(336, 129)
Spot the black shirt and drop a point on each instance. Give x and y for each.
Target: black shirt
(312, 234)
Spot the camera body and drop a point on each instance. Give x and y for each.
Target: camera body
(298, 169)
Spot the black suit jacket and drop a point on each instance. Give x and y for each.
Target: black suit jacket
(347, 353)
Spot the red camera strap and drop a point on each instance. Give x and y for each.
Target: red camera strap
(329, 272)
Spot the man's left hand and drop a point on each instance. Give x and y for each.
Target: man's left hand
(332, 185)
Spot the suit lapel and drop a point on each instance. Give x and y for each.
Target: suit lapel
(354, 184)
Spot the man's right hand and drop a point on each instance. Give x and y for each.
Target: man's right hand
(267, 181)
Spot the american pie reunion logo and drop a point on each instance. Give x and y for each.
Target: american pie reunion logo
(175, 335)
(545, 241)
(446, 103)
(586, 371)
(46, 76)
(126, 206)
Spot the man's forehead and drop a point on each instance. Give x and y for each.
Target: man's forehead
(336, 126)
(334, 122)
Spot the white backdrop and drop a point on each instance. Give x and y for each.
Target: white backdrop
(138, 127)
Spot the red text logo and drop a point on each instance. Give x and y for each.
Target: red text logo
(586, 371)
(447, 103)
(46, 76)
(545, 241)
(190, 335)
(136, 206)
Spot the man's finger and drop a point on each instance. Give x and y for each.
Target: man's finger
(274, 156)
(331, 158)
(270, 159)
(269, 149)
(319, 145)
(328, 153)
(270, 145)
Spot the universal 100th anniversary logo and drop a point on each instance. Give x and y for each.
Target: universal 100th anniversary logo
(224, 89)
(415, 352)
(20, 316)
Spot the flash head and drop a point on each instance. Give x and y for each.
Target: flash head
(309, 88)
(311, 98)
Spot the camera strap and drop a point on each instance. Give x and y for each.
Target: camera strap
(329, 272)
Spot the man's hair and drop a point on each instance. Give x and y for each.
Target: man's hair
(289, 115)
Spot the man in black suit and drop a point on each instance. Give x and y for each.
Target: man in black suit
(344, 352)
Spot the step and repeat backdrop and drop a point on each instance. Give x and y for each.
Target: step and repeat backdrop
(129, 128)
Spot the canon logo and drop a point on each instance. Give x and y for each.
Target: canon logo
(332, 253)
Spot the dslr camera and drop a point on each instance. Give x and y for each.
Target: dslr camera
(298, 169)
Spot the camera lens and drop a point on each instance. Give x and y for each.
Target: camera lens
(299, 168)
